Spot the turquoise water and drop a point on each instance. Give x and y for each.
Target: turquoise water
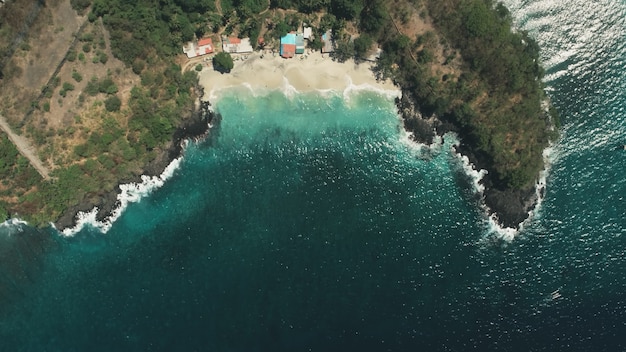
(309, 223)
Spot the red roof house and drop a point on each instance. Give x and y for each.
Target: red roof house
(202, 47)
(205, 46)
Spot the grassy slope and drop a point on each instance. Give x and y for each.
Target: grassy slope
(99, 120)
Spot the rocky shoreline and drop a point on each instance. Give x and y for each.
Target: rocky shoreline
(195, 126)
(511, 207)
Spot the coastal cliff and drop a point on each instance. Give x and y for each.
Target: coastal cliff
(509, 206)
(196, 125)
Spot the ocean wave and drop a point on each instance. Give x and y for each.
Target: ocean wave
(492, 224)
(421, 150)
(290, 91)
(12, 226)
(129, 193)
(352, 88)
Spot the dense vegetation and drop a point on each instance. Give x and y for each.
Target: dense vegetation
(143, 28)
(503, 119)
(16, 168)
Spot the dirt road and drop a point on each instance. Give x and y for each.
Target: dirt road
(25, 148)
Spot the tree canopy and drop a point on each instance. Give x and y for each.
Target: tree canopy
(223, 62)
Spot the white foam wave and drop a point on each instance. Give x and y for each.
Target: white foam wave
(288, 89)
(474, 174)
(421, 150)
(551, 77)
(12, 226)
(492, 223)
(129, 193)
(352, 88)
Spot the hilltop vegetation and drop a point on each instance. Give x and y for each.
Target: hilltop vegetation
(98, 120)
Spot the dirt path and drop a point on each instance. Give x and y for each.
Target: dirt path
(25, 149)
(194, 61)
(218, 5)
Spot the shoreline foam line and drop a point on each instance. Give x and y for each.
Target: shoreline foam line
(290, 91)
(491, 219)
(129, 193)
(310, 73)
(12, 226)
(492, 224)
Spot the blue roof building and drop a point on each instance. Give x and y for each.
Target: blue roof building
(288, 45)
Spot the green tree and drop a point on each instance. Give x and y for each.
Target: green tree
(282, 28)
(373, 17)
(344, 50)
(346, 9)
(112, 103)
(362, 44)
(223, 62)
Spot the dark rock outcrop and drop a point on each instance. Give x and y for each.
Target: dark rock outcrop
(511, 206)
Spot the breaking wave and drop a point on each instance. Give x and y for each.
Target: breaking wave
(129, 193)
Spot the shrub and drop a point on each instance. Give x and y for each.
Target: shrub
(71, 55)
(86, 47)
(103, 57)
(68, 86)
(87, 37)
(80, 5)
(93, 88)
(107, 86)
(138, 66)
(199, 67)
(113, 103)
(76, 76)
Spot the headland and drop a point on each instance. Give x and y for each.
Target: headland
(108, 104)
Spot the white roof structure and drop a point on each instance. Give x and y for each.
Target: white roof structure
(202, 47)
(236, 45)
(307, 32)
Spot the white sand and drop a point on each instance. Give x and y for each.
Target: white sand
(303, 73)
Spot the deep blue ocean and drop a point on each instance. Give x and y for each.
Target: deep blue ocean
(308, 222)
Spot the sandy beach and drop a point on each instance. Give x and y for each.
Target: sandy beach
(310, 72)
